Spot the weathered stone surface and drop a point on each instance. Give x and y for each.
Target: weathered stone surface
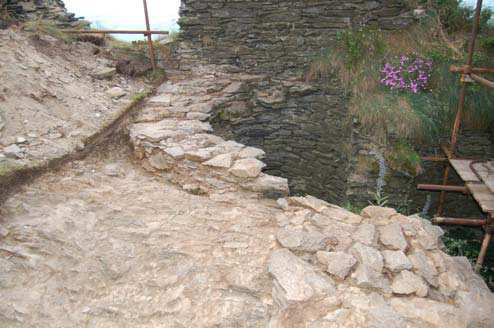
(199, 155)
(338, 264)
(392, 236)
(112, 170)
(175, 152)
(340, 214)
(430, 312)
(396, 261)
(104, 73)
(299, 239)
(376, 212)
(295, 280)
(424, 266)
(197, 116)
(368, 256)
(251, 152)
(366, 234)
(13, 151)
(266, 183)
(406, 282)
(160, 162)
(221, 161)
(310, 202)
(247, 168)
(161, 100)
(116, 92)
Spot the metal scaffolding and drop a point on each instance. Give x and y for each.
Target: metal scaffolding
(478, 175)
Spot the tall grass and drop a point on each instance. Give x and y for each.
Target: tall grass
(390, 115)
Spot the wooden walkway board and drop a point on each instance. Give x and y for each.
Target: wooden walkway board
(482, 195)
(486, 172)
(462, 167)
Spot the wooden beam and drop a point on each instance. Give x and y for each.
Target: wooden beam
(143, 32)
(435, 187)
(455, 221)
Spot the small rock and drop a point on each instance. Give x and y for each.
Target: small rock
(301, 239)
(282, 203)
(116, 92)
(392, 236)
(368, 256)
(112, 170)
(197, 116)
(3, 232)
(407, 283)
(13, 151)
(366, 234)
(32, 135)
(162, 100)
(294, 279)
(340, 214)
(20, 140)
(160, 162)
(221, 161)
(247, 168)
(104, 73)
(268, 184)
(252, 153)
(199, 155)
(396, 261)
(195, 189)
(338, 264)
(364, 276)
(424, 266)
(377, 212)
(175, 152)
(310, 202)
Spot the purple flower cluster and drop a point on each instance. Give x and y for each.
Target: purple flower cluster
(408, 74)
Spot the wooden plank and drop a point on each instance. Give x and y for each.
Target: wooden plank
(486, 172)
(483, 196)
(462, 167)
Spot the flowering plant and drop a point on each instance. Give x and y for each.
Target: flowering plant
(410, 73)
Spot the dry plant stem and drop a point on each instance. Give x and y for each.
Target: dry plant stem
(446, 40)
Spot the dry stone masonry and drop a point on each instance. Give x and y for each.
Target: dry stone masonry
(20, 10)
(273, 36)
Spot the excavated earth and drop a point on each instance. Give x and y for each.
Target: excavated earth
(181, 228)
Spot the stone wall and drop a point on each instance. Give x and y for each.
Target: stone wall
(302, 128)
(273, 36)
(20, 10)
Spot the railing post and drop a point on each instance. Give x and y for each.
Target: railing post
(150, 40)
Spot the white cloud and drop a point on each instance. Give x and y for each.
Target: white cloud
(126, 14)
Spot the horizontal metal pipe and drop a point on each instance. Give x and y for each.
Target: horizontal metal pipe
(443, 188)
(482, 81)
(466, 222)
(144, 32)
(464, 69)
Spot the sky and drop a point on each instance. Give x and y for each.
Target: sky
(127, 14)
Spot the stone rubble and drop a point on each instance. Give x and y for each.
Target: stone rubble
(384, 276)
